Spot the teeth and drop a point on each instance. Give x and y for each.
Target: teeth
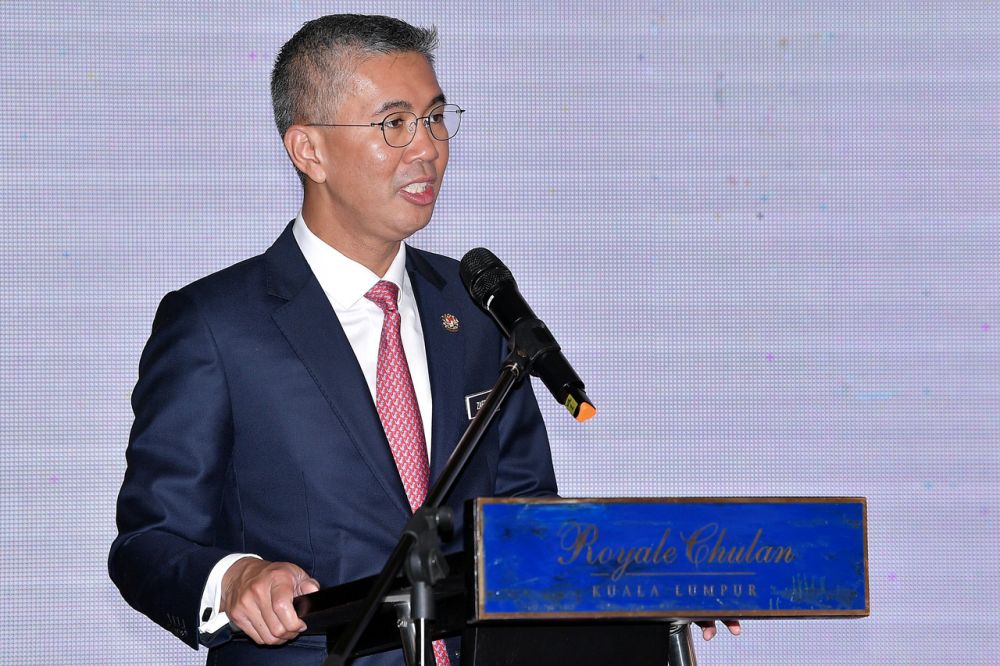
(415, 188)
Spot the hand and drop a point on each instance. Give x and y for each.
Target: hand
(257, 596)
(708, 629)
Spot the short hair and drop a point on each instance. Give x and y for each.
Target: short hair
(312, 68)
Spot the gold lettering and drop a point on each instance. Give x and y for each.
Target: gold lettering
(733, 555)
(753, 544)
(698, 552)
(774, 555)
(695, 548)
(718, 552)
(640, 555)
(577, 538)
(664, 554)
(623, 561)
(706, 545)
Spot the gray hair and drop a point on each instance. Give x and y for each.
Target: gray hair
(313, 67)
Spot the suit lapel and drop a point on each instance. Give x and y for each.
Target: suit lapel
(445, 356)
(310, 325)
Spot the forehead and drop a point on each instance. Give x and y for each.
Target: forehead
(396, 81)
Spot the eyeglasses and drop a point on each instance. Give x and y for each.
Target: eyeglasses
(400, 127)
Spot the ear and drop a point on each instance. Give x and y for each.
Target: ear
(305, 149)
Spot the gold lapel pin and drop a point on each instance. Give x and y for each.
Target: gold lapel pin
(450, 323)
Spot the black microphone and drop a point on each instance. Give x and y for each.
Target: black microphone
(492, 287)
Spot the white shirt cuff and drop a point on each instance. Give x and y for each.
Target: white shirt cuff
(211, 619)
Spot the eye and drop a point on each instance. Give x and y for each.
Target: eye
(395, 122)
(436, 117)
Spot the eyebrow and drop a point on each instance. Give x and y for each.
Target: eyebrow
(403, 105)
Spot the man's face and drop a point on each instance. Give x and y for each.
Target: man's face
(374, 193)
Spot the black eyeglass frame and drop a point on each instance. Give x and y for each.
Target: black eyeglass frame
(416, 119)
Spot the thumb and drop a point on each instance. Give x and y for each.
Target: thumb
(307, 585)
(304, 583)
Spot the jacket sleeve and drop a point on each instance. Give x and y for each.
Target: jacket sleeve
(177, 460)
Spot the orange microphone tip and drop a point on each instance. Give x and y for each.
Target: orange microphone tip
(585, 412)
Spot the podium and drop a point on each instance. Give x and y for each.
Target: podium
(585, 582)
(617, 581)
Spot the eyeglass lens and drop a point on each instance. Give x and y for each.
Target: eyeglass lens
(442, 121)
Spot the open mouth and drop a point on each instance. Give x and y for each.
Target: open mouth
(416, 188)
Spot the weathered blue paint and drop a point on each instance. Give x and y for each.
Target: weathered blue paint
(778, 557)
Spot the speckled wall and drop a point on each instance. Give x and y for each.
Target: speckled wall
(764, 233)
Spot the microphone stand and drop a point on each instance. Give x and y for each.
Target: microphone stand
(525, 348)
(680, 646)
(424, 566)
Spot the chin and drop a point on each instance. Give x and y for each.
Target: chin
(416, 225)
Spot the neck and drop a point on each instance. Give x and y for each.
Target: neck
(375, 255)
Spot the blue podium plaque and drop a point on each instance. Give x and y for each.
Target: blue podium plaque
(682, 558)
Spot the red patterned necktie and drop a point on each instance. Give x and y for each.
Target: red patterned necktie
(396, 400)
(397, 409)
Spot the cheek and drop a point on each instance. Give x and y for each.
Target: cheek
(380, 155)
(443, 153)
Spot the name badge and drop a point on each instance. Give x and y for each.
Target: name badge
(475, 402)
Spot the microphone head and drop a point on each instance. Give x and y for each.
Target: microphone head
(483, 274)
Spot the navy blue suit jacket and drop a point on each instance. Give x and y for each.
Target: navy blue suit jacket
(255, 432)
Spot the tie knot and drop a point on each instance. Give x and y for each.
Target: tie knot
(384, 295)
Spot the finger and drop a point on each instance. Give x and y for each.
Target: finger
(284, 611)
(308, 586)
(708, 630)
(266, 594)
(247, 617)
(247, 628)
(733, 626)
(263, 593)
(282, 622)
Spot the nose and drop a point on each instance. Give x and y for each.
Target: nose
(423, 146)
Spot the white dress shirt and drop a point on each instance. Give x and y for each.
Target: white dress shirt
(345, 283)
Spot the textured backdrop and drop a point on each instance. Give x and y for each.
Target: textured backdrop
(765, 234)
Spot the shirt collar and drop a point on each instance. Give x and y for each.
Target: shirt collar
(344, 280)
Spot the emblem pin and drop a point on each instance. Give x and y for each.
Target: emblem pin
(450, 323)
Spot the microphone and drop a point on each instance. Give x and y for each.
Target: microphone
(492, 287)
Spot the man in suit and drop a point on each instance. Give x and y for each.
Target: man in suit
(286, 405)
